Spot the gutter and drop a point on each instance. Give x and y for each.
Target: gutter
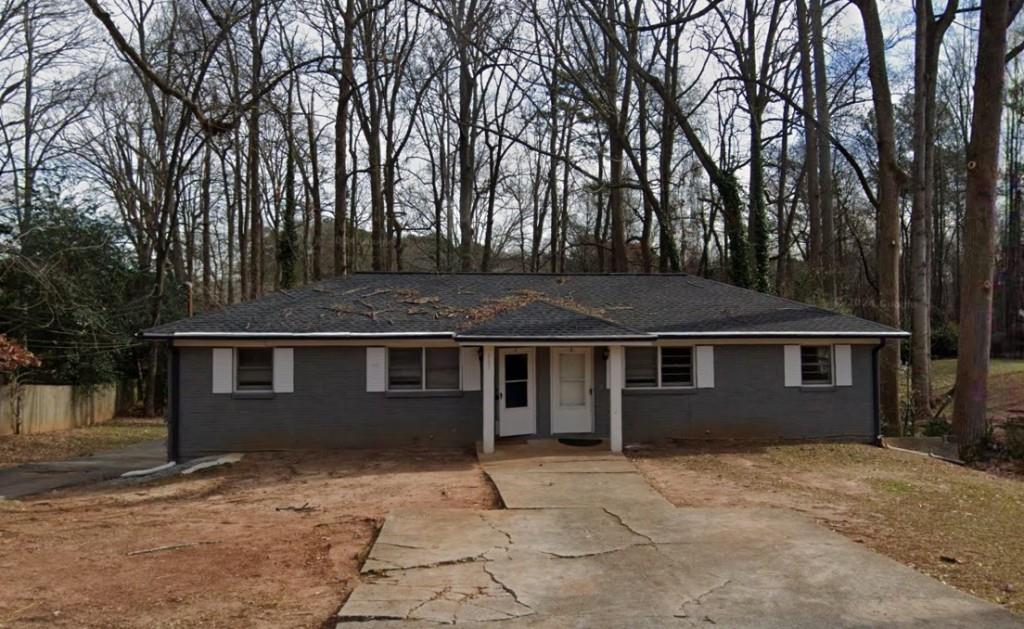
(214, 336)
(483, 338)
(776, 334)
(874, 393)
(173, 404)
(169, 336)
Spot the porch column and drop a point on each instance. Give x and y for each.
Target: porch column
(616, 356)
(488, 394)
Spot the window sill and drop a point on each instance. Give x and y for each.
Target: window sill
(253, 395)
(643, 391)
(421, 394)
(818, 388)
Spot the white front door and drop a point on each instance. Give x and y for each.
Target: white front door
(517, 408)
(572, 390)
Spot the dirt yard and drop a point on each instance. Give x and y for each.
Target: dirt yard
(960, 525)
(67, 444)
(274, 541)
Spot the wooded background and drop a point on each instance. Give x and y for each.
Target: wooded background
(831, 152)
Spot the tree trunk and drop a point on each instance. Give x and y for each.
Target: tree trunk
(824, 161)
(615, 150)
(969, 406)
(204, 208)
(317, 208)
(888, 224)
(669, 260)
(810, 139)
(253, 159)
(28, 122)
(920, 273)
(552, 186)
(341, 120)
(466, 148)
(927, 44)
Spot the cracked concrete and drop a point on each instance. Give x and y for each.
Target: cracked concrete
(586, 542)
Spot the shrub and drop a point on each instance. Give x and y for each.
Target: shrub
(945, 336)
(937, 427)
(1015, 439)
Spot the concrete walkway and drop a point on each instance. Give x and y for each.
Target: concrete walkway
(586, 542)
(36, 478)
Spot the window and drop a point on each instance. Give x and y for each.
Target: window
(654, 367)
(641, 367)
(816, 364)
(254, 369)
(405, 369)
(423, 368)
(517, 380)
(676, 366)
(442, 368)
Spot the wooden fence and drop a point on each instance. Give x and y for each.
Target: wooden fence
(35, 408)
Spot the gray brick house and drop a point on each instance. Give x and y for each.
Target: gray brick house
(405, 359)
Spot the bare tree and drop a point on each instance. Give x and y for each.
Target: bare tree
(969, 406)
(890, 180)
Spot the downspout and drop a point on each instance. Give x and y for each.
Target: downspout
(173, 402)
(874, 392)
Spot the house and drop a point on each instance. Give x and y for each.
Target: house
(400, 359)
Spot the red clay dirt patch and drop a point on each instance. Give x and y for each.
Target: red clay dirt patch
(275, 541)
(959, 525)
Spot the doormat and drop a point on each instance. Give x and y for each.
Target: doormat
(580, 443)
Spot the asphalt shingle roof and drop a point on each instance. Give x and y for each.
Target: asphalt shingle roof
(542, 319)
(517, 304)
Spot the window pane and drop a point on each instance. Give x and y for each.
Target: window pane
(641, 366)
(516, 394)
(516, 366)
(573, 366)
(572, 393)
(443, 368)
(676, 366)
(255, 369)
(816, 364)
(404, 369)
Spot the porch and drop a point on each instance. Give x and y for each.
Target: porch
(552, 390)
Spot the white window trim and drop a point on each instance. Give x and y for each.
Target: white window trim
(831, 372)
(423, 371)
(234, 372)
(660, 385)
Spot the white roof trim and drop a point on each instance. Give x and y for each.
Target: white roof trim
(557, 337)
(186, 335)
(725, 334)
(446, 334)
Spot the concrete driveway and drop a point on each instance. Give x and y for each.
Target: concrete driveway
(586, 542)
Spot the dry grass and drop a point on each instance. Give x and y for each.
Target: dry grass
(960, 525)
(66, 444)
(1005, 385)
(274, 541)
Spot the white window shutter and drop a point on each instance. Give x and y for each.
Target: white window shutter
(705, 356)
(470, 359)
(284, 370)
(844, 368)
(793, 371)
(376, 369)
(223, 370)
